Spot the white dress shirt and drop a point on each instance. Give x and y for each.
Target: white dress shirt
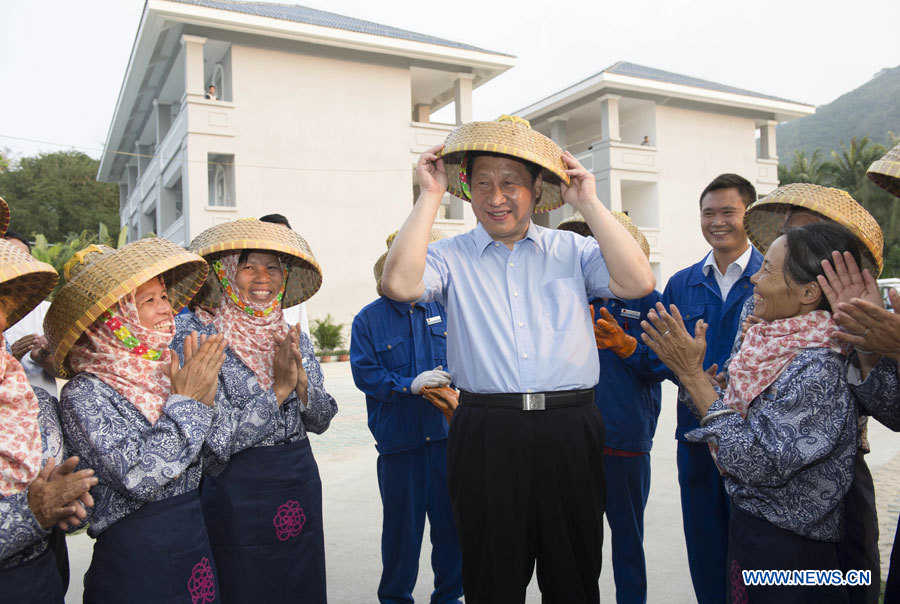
(732, 273)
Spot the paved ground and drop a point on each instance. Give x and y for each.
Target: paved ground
(347, 458)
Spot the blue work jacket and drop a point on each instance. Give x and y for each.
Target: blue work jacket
(628, 393)
(697, 297)
(391, 343)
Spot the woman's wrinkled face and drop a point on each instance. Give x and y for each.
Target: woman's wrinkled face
(153, 306)
(775, 296)
(259, 278)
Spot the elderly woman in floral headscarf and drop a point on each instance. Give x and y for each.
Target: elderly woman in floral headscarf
(37, 489)
(784, 432)
(263, 505)
(139, 417)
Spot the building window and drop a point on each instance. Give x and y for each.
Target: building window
(221, 180)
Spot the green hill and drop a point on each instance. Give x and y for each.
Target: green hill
(871, 110)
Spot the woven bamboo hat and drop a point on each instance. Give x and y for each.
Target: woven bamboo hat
(378, 269)
(886, 172)
(577, 224)
(4, 217)
(24, 280)
(304, 273)
(764, 219)
(509, 135)
(98, 276)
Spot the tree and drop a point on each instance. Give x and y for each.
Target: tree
(803, 169)
(848, 171)
(56, 194)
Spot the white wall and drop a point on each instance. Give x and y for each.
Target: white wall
(693, 148)
(326, 142)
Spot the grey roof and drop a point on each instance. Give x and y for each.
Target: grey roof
(649, 73)
(312, 16)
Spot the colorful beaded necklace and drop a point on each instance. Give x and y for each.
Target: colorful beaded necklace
(133, 345)
(220, 273)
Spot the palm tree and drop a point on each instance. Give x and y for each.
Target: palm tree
(848, 168)
(803, 169)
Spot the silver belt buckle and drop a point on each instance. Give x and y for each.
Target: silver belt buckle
(533, 402)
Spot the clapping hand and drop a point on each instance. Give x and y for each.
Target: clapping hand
(284, 366)
(199, 378)
(58, 494)
(858, 307)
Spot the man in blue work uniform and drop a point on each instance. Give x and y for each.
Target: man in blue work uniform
(714, 290)
(396, 348)
(628, 395)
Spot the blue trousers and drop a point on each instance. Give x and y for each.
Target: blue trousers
(627, 488)
(413, 484)
(705, 510)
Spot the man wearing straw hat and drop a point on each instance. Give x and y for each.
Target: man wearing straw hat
(523, 446)
(875, 334)
(713, 289)
(397, 351)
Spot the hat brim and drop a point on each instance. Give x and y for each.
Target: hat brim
(27, 282)
(886, 174)
(513, 140)
(99, 287)
(765, 218)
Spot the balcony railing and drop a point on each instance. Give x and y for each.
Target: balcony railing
(427, 134)
(622, 156)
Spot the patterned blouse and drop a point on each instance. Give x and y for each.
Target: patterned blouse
(238, 385)
(879, 393)
(791, 460)
(21, 537)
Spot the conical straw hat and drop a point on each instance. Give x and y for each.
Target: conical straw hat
(577, 224)
(24, 280)
(764, 219)
(304, 273)
(99, 276)
(378, 269)
(886, 171)
(512, 136)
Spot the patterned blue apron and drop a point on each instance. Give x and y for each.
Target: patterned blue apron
(34, 582)
(158, 554)
(264, 517)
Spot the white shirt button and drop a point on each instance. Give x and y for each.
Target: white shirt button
(521, 324)
(524, 355)
(516, 294)
(512, 264)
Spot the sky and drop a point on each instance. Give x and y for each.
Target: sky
(62, 61)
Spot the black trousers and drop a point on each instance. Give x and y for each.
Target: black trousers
(858, 549)
(757, 544)
(528, 486)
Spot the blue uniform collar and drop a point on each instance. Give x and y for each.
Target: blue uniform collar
(401, 308)
(698, 276)
(483, 240)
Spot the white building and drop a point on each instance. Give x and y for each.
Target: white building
(696, 130)
(319, 117)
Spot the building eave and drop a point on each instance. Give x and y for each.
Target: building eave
(486, 64)
(601, 82)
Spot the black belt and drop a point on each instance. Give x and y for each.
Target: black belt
(529, 401)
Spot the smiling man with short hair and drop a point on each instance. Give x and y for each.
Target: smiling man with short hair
(525, 446)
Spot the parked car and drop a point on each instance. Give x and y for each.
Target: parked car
(884, 285)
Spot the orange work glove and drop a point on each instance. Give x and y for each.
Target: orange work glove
(445, 398)
(608, 334)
